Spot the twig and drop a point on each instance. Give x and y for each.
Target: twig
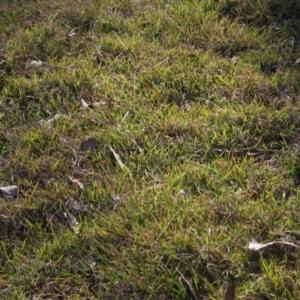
(117, 157)
(125, 116)
(134, 85)
(76, 160)
(165, 228)
(126, 48)
(188, 285)
(208, 101)
(158, 64)
(136, 144)
(165, 60)
(119, 161)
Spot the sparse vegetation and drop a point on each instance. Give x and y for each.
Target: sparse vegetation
(149, 142)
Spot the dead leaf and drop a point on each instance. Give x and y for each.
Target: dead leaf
(86, 105)
(35, 63)
(81, 261)
(72, 33)
(116, 197)
(229, 291)
(253, 267)
(289, 285)
(258, 246)
(77, 182)
(275, 25)
(89, 144)
(74, 224)
(10, 192)
(73, 204)
(83, 103)
(52, 120)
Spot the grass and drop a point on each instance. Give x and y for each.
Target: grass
(150, 142)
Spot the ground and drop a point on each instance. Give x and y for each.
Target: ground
(149, 149)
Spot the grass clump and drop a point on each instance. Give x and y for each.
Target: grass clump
(149, 150)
